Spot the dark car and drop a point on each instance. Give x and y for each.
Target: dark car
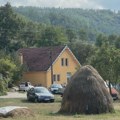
(40, 94)
(56, 88)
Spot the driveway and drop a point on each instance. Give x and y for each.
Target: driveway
(14, 95)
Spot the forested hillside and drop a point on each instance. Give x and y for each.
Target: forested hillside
(91, 21)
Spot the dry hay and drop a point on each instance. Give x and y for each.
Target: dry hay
(86, 94)
(19, 112)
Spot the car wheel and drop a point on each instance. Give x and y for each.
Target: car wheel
(51, 101)
(36, 100)
(28, 98)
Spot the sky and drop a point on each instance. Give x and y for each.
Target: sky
(90, 4)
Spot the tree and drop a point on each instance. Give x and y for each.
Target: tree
(7, 67)
(83, 51)
(83, 35)
(10, 24)
(112, 39)
(101, 40)
(107, 62)
(71, 35)
(53, 36)
(30, 34)
(117, 43)
(2, 87)
(20, 68)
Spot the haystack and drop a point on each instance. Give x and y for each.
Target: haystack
(13, 111)
(86, 94)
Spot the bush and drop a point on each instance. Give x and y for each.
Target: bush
(3, 90)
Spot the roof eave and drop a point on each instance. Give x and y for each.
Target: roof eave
(66, 47)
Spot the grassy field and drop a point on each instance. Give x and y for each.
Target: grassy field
(48, 111)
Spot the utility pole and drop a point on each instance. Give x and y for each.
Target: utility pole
(51, 66)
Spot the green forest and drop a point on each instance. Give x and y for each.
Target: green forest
(92, 35)
(92, 22)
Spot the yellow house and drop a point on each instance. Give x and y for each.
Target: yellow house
(47, 65)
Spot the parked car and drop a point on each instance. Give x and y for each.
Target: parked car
(56, 88)
(117, 86)
(114, 92)
(24, 86)
(40, 94)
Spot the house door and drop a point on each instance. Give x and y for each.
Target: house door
(68, 76)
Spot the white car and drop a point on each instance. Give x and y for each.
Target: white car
(25, 86)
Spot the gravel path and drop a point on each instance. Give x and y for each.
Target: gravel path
(14, 95)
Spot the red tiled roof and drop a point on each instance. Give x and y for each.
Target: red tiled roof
(38, 59)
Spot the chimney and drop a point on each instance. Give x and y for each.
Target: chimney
(21, 58)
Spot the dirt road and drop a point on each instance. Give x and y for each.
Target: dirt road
(14, 95)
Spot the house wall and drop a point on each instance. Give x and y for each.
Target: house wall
(36, 78)
(72, 67)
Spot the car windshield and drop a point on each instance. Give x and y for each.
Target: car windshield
(56, 86)
(22, 83)
(41, 90)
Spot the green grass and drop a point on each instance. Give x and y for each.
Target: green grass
(48, 111)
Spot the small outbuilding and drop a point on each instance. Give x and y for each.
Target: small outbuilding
(86, 94)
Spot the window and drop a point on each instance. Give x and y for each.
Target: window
(66, 61)
(56, 77)
(68, 76)
(62, 61)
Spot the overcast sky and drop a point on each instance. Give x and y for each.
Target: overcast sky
(94, 4)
